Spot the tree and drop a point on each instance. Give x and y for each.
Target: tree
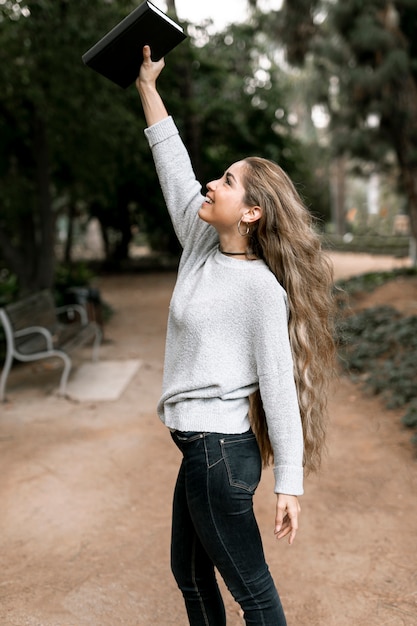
(366, 60)
(232, 99)
(71, 139)
(61, 128)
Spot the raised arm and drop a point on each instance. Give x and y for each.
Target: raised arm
(182, 192)
(153, 106)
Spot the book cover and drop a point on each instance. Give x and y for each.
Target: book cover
(118, 55)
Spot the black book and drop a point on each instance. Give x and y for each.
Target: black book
(118, 55)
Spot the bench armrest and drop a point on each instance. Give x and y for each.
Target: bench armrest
(33, 330)
(74, 308)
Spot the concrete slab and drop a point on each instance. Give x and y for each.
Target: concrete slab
(103, 380)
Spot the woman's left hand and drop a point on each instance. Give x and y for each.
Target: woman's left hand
(286, 518)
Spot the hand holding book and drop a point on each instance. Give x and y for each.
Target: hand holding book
(118, 55)
(149, 70)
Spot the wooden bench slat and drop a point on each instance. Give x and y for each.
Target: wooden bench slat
(35, 310)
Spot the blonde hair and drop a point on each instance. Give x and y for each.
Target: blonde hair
(285, 238)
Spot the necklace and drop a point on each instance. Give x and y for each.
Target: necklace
(232, 253)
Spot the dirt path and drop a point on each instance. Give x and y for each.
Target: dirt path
(85, 497)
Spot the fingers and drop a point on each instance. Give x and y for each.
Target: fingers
(286, 528)
(286, 518)
(149, 70)
(154, 66)
(146, 53)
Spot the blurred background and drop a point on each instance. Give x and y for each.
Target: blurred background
(327, 88)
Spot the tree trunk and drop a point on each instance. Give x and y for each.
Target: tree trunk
(402, 123)
(338, 194)
(15, 261)
(70, 233)
(413, 251)
(19, 252)
(403, 132)
(121, 250)
(409, 175)
(31, 254)
(45, 274)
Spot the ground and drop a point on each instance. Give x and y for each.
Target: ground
(85, 493)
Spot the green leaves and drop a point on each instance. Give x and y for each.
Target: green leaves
(229, 97)
(377, 347)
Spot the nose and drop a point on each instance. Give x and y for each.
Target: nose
(211, 186)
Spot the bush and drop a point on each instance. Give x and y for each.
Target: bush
(410, 417)
(366, 283)
(396, 245)
(377, 347)
(70, 275)
(8, 287)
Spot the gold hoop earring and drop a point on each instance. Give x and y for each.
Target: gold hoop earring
(247, 228)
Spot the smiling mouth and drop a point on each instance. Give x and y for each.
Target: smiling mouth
(208, 200)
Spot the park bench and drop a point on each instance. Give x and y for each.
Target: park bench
(36, 329)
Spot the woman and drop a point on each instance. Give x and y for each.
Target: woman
(248, 344)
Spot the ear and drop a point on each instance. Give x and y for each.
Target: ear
(253, 214)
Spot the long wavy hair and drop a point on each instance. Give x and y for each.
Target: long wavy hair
(286, 239)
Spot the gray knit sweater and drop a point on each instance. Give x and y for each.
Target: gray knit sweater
(227, 328)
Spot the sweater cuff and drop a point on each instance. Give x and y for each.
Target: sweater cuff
(289, 480)
(160, 131)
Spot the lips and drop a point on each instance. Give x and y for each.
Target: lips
(208, 200)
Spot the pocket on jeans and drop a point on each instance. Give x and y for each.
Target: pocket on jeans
(243, 462)
(187, 437)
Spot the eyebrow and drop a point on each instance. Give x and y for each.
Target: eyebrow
(231, 176)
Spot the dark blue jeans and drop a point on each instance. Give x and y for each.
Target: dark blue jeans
(214, 527)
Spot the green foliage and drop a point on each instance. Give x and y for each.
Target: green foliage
(232, 103)
(397, 246)
(71, 141)
(246, 102)
(65, 135)
(364, 55)
(377, 347)
(66, 276)
(74, 275)
(365, 283)
(409, 419)
(8, 287)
